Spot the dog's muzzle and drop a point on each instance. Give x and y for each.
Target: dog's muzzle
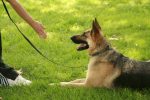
(83, 44)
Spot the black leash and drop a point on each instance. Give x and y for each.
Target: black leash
(35, 48)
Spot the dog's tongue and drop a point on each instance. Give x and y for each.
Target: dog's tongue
(82, 46)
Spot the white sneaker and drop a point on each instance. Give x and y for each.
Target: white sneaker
(19, 81)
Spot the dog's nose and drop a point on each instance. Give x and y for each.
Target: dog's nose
(72, 38)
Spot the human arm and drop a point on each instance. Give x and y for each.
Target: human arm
(38, 27)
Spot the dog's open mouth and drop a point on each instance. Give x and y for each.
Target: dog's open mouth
(83, 44)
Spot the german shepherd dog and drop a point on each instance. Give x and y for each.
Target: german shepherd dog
(108, 68)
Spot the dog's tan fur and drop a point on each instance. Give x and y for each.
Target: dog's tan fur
(101, 73)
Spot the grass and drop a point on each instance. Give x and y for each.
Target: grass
(126, 20)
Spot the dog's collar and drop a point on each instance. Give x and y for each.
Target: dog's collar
(101, 51)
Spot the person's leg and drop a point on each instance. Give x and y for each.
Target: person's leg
(8, 76)
(5, 70)
(0, 47)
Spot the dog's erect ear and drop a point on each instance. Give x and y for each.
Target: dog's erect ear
(96, 31)
(97, 24)
(95, 27)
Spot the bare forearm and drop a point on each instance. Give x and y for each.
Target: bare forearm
(38, 27)
(21, 11)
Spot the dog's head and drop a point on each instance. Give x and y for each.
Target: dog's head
(89, 39)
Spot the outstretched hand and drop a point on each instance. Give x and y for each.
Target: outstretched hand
(39, 28)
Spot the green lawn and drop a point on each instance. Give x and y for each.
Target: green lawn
(127, 20)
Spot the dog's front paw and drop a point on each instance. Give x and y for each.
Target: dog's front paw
(54, 84)
(59, 84)
(51, 84)
(63, 83)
